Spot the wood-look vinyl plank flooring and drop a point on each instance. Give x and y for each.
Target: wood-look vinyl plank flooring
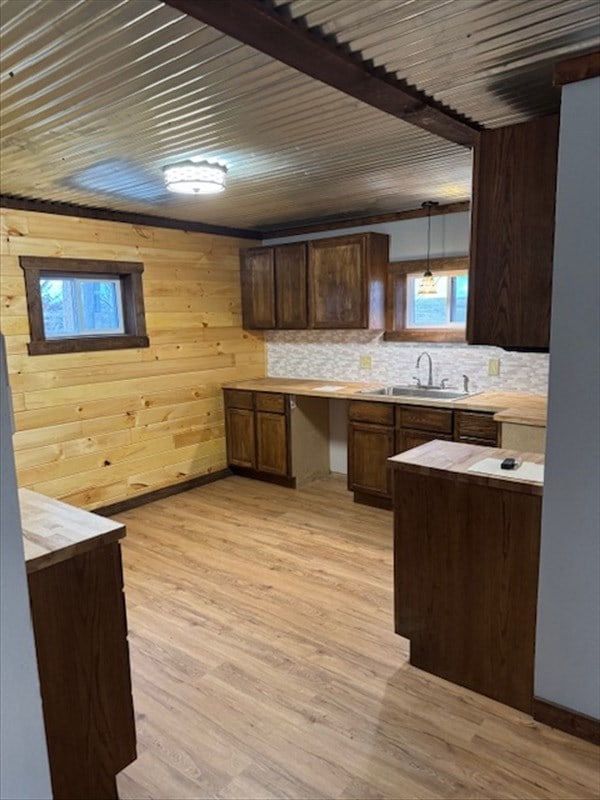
(264, 664)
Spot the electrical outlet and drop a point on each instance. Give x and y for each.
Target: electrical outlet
(494, 366)
(365, 362)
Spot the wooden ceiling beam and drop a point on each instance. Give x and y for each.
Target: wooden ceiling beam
(269, 30)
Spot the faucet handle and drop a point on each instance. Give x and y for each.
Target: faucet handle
(466, 383)
(443, 383)
(418, 381)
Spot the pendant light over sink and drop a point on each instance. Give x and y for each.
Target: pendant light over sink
(428, 284)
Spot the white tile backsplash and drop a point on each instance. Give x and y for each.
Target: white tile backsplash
(335, 355)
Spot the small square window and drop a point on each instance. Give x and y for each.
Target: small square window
(81, 306)
(76, 305)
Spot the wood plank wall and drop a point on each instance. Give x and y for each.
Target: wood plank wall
(97, 428)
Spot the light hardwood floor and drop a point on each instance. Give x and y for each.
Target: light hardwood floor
(264, 664)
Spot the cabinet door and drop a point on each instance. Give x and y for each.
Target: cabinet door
(407, 439)
(257, 267)
(290, 286)
(512, 235)
(240, 437)
(369, 447)
(272, 443)
(336, 279)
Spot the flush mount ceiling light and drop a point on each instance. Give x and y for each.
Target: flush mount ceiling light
(428, 284)
(195, 177)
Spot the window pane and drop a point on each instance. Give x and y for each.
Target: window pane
(429, 310)
(59, 307)
(81, 306)
(101, 306)
(458, 305)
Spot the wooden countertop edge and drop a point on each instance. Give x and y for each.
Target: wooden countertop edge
(49, 559)
(517, 416)
(455, 458)
(355, 391)
(54, 531)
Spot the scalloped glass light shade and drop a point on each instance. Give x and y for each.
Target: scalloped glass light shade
(191, 177)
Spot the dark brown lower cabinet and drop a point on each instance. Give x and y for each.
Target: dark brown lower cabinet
(272, 451)
(370, 444)
(406, 439)
(80, 629)
(240, 437)
(257, 430)
(369, 447)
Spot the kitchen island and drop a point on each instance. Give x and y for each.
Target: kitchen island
(466, 556)
(73, 561)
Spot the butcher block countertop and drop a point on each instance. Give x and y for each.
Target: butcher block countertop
(54, 531)
(453, 459)
(525, 409)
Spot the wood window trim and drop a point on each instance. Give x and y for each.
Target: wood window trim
(396, 288)
(130, 273)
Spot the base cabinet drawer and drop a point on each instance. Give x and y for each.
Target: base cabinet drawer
(420, 418)
(475, 427)
(407, 439)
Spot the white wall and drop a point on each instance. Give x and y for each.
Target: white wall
(408, 237)
(329, 355)
(567, 670)
(24, 772)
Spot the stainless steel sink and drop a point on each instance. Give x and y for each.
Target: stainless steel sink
(416, 391)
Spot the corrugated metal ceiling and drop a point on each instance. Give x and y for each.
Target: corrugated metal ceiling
(98, 95)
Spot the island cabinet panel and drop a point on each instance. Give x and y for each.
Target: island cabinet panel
(291, 299)
(346, 279)
(465, 578)
(257, 267)
(512, 235)
(80, 629)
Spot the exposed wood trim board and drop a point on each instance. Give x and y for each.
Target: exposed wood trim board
(577, 69)
(159, 494)
(74, 210)
(271, 31)
(567, 720)
(374, 219)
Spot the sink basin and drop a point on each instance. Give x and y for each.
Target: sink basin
(416, 391)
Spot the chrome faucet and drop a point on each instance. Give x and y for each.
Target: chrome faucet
(430, 376)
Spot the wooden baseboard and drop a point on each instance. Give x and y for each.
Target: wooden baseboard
(158, 494)
(280, 480)
(567, 720)
(373, 500)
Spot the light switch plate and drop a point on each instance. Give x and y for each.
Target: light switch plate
(494, 366)
(365, 362)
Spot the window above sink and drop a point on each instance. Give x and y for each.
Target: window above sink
(427, 318)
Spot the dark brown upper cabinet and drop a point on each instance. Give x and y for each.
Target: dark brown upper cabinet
(290, 285)
(274, 286)
(257, 266)
(346, 281)
(328, 283)
(512, 235)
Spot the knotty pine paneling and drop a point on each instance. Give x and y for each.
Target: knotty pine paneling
(95, 428)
